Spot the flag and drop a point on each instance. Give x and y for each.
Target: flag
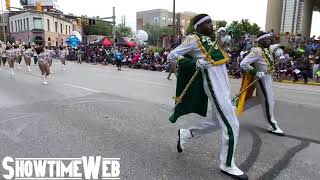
(244, 96)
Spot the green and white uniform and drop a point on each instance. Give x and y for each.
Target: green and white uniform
(216, 85)
(261, 60)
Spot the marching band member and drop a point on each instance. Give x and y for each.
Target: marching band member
(259, 63)
(200, 51)
(43, 64)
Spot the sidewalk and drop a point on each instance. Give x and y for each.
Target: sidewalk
(311, 83)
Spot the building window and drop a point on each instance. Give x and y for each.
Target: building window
(56, 26)
(69, 29)
(5, 29)
(49, 41)
(24, 24)
(48, 24)
(61, 28)
(21, 25)
(15, 24)
(11, 26)
(66, 29)
(18, 25)
(61, 42)
(156, 19)
(37, 22)
(28, 24)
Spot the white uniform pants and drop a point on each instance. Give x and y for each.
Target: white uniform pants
(266, 97)
(223, 113)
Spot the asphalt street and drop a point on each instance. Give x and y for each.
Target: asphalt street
(94, 110)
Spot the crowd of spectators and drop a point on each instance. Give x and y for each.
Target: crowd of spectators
(136, 58)
(301, 57)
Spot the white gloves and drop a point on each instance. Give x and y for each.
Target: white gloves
(202, 64)
(260, 74)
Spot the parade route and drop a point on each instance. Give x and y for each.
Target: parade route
(93, 110)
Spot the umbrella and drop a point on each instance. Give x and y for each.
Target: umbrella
(121, 42)
(132, 44)
(104, 41)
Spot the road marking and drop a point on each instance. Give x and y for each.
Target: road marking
(19, 117)
(84, 88)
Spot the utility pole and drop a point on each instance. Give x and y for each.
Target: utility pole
(3, 24)
(174, 18)
(114, 27)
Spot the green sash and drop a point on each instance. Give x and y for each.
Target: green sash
(214, 55)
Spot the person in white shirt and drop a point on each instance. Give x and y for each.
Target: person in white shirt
(43, 64)
(260, 64)
(63, 55)
(11, 58)
(27, 54)
(211, 60)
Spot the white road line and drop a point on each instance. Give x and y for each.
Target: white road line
(84, 88)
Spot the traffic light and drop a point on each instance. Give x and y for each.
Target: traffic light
(38, 6)
(8, 5)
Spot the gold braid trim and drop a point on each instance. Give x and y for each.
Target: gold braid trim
(208, 56)
(266, 60)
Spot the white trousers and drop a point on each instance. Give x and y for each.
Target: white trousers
(223, 115)
(266, 98)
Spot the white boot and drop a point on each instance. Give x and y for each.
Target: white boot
(278, 131)
(12, 72)
(234, 172)
(19, 66)
(63, 67)
(44, 80)
(184, 137)
(29, 70)
(51, 70)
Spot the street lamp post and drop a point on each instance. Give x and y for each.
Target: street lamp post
(174, 18)
(3, 23)
(173, 22)
(114, 28)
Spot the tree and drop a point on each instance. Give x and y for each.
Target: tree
(221, 24)
(244, 26)
(155, 32)
(123, 30)
(100, 28)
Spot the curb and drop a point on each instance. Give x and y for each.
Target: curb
(309, 83)
(291, 82)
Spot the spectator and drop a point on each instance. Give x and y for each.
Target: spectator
(118, 59)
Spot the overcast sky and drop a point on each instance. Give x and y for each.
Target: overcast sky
(254, 10)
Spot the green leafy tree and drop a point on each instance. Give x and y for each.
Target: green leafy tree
(155, 32)
(244, 26)
(221, 24)
(124, 31)
(100, 28)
